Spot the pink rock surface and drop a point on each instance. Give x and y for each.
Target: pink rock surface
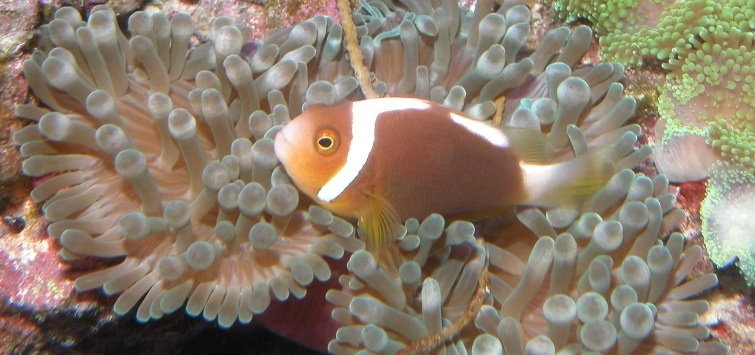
(18, 19)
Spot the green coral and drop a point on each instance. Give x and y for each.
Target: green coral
(726, 212)
(708, 48)
(736, 146)
(608, 16)
(677, 26)
(710, 90)
(631, 31)
(722, 60)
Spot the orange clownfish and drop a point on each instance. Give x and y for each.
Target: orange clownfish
(382, 161)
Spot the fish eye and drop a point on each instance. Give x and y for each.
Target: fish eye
(326, 141)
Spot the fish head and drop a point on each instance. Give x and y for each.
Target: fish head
(314, 145)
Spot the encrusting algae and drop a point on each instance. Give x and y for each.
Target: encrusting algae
(164, 155)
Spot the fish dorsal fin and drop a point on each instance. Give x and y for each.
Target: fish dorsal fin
(378, 224)
(529, 144)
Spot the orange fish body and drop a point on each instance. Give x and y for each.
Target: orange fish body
(423, 163)
(385, 160)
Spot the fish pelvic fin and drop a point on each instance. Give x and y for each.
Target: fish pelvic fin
(567, 184)
(379, 224)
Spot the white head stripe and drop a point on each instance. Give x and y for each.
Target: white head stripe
(489, 133)
(364, 116)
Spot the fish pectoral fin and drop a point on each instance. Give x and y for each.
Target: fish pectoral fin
(378, 224)
(529, 144)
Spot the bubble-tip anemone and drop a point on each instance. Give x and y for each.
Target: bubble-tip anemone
(599, 280)
(163, 155)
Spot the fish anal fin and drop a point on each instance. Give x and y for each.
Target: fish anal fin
(378, 224)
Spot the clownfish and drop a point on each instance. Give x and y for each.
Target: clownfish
(382, 161)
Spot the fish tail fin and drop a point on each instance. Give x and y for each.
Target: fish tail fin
(568, 183)
(378, 225)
